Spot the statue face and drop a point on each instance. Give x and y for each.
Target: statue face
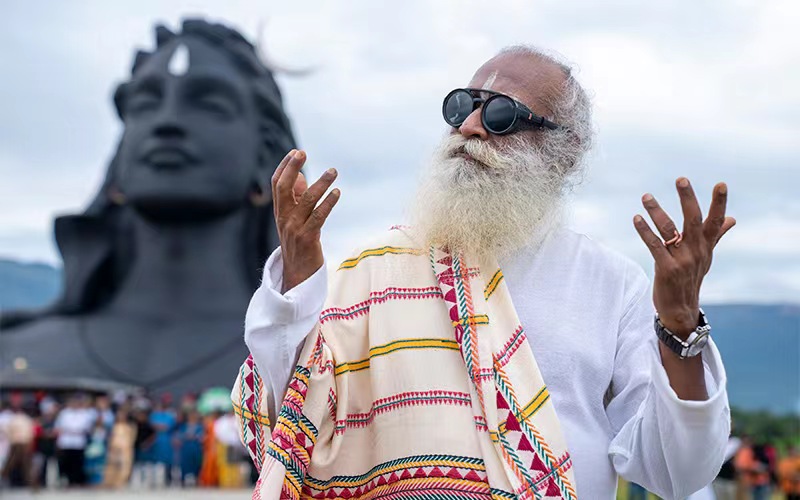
(191, 140)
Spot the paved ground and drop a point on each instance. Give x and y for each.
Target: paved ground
(201, 494)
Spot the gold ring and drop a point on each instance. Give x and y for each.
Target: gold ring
(676, 240)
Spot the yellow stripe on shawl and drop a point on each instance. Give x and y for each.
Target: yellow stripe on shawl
(531, 408)
(492, 285)
(248, 415)
(397, 345)
(478, 319)
(376, 252)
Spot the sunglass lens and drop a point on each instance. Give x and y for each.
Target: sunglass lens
(499, 114)
(457, 107)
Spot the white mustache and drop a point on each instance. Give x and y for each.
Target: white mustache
(481, 151)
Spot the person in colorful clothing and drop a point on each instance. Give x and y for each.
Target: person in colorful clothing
(189, 437)
(119, 463)
(486, 351)
(96, 450)
(789, 473)
(163, 420)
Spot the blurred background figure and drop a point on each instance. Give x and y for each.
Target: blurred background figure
(72, 429)
(725, 485)
(789, 473)
(230, 451)
(119, 461)
(143, 467)
(46, 465)
(19, 431)
(189, 440)
(209, 470)
(96, 452)
(163, 420)
(753, 464)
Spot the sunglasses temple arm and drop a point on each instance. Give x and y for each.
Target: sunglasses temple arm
(547, 123)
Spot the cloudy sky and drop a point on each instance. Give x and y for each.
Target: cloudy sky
(702, 88)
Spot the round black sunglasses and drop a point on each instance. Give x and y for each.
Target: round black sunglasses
(500, 114)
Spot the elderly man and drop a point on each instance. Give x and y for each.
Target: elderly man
(487, 351)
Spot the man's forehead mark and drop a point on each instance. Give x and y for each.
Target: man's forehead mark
(178, 63)
(490, 81)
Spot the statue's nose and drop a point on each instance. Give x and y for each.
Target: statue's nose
(168, 123)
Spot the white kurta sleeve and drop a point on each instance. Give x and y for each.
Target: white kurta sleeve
(277, 324)
(670, 446)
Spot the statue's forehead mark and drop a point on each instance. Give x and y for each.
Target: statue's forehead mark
(179, 62)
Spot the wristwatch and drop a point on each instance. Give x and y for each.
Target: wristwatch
(690, 347)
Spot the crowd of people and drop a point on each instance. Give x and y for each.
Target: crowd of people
(756, 470)
(118, 441)
(752, 471)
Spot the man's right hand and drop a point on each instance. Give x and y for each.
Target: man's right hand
(299, 223)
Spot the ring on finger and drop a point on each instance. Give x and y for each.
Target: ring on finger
(675, 240)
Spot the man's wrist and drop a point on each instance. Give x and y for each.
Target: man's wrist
(292, 278)
(682, 325)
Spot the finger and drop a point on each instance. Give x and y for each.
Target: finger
(313, 194)
(716, 214)
(300, 186)
(653, 242)
(692, 215)
(664, 224)
(282, 165)
(321, 213)
(277, 174)
(285, 196)
(729, 223)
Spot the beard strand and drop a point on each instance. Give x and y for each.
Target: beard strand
(492, 202)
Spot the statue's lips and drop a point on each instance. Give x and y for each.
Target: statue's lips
(168, 156)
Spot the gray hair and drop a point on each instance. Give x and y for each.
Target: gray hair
(571, 108)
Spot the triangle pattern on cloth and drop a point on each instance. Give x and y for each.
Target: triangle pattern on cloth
(552, 489)
(522, 459)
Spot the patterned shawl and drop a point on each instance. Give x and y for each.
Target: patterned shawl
(416, 382)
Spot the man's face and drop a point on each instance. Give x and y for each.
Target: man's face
(528, 80)
(492, 194)
(191, 138)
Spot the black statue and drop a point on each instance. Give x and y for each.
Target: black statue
(159, 270)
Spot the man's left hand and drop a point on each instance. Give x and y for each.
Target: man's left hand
(683, 259)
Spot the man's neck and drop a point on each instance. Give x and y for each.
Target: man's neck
(186, 269)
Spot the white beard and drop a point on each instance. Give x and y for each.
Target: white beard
(509, 198)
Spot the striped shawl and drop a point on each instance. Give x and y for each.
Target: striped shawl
(417, 382)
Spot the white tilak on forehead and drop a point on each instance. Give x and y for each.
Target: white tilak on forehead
(178, 63)
(490, 80)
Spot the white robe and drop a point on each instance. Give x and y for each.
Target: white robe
(589, 316)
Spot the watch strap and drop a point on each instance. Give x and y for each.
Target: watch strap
(675, 343)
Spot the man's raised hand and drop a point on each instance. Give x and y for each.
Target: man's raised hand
(298, 217)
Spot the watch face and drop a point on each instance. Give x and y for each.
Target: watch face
(698, 345)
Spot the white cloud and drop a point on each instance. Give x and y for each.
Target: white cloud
(704, 89)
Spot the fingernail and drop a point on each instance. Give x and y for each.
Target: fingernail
(336, 192)
(331, 172)
(683, 182)
(300, 155)
(723, 189)
(638, 219)
(647, 197)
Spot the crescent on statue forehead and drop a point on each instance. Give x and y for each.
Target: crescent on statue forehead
(178, 63)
